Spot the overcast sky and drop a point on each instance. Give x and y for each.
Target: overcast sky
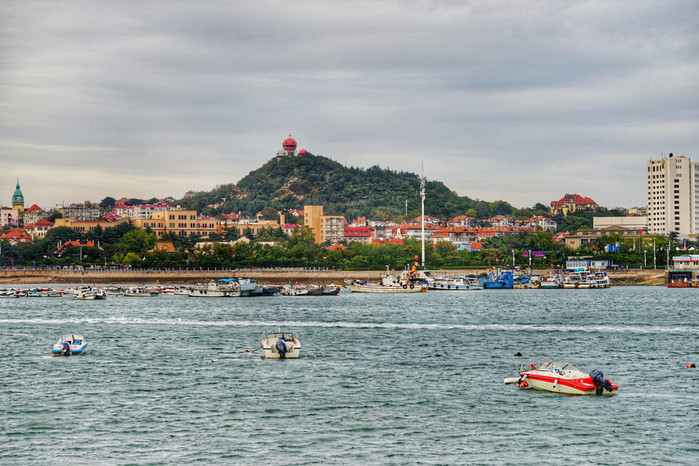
(521, 101)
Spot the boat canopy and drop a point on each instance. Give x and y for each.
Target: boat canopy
(71, 337)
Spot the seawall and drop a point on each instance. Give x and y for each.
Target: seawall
(647, 277)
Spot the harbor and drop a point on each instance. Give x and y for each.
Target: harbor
(173, 379)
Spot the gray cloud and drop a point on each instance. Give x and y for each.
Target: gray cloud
(521, 101)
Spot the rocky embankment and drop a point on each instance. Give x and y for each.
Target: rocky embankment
(646, 277)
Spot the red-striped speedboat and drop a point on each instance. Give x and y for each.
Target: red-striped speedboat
(562, 377)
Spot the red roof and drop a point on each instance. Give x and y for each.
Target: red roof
(476, 245)
(336, 246)
(88, 244)
(17, 236)
(34, 208)
(576, 198)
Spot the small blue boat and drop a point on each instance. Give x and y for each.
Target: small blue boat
(70, 345)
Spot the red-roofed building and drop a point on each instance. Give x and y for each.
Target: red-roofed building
(428, 220)
(456, 234)
(541, 223)
(16, 235)
(359, 234)
(461, 221)
(39, 228)
(381, 241)
(476, 246)
(337, 246)
(34, 214)
(570, 203)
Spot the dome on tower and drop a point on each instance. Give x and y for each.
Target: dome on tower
(289, 144)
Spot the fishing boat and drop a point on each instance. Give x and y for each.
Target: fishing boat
(295, 289)
(70, 345)
(280, 345)
(86, 292)
(562, 377)
(390, 283)
(448, 283)
(139, 292)
(550, 282)
(215, 290)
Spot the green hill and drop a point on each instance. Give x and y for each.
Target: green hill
(375, 193)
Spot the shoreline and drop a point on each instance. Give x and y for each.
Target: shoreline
(647, 277)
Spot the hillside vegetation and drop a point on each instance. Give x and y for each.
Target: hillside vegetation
(376, 193)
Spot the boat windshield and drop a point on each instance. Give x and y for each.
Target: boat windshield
(560, 365)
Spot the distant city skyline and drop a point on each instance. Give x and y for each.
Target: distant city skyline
(501, 100)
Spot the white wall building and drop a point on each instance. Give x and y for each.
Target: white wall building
(673, 190)
(636, 222)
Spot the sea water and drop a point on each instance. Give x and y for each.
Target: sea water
(389, 379)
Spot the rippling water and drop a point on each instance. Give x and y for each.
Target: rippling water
(382, 379)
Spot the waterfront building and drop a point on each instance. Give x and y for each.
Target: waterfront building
(571, 203)
(590, 235)
(324, 227)
(673, 196)
(180, 222)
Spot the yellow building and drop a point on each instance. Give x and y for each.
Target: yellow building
(85, 226)
(256, 228)
(324, 227)
(180, 222)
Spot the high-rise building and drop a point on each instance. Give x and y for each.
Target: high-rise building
(673, 196)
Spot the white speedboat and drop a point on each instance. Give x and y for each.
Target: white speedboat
(561, 377)
(280, 345)
(70, 345)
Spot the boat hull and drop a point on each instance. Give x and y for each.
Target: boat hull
(75, 350)
(269, 350)
(361, 288)
(568, 385)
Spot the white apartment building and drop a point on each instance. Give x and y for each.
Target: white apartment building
(673, 190)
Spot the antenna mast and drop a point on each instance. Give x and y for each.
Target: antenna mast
(422, 196)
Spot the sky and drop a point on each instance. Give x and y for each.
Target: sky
(521, 101)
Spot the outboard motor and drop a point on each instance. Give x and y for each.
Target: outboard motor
(600, 382)
(65, 349)
(281, 348)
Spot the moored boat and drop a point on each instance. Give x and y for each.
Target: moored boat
(562, 377)
(87, 292)
(390, 282)
(215, 290)
(70, 345)
(280, 345)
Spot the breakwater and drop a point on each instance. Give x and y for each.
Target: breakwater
(647, 277)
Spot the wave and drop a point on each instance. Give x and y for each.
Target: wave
(364, 325)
